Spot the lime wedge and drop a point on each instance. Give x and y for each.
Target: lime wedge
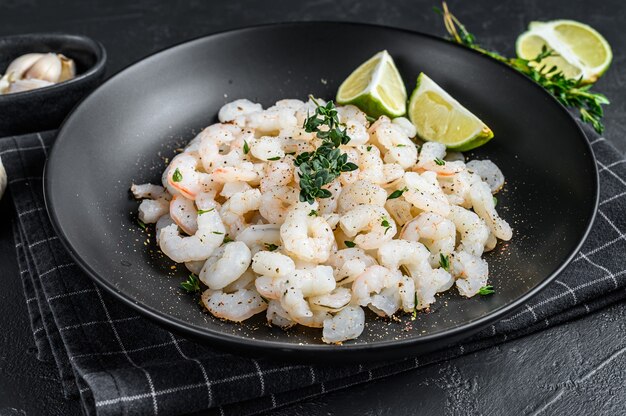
(440, 118)
(376, 87)
(582, 51)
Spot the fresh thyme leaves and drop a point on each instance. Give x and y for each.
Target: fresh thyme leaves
(401, 145)
(385, 223)
(274, 158)
(141, 224)
(217, 232)
(177, 176)
(440, 162)
(486, 290)
(313, 213)
(444, 262)
(369, 148)
(246, 148)
(569, 92)
(397, 193)
(270, 247)
(192, 284)
(227, 240)
(349, 243)
(204, 211)
(323, 166)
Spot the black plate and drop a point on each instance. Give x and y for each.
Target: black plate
(121, 133)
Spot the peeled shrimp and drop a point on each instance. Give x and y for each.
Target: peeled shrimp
(435, 232)
(225, 265)
(431, 159)
(474, 232)
(471, 272)
(378, 225)
(393, 138)
(233, 110)
(305, 236)
(346, 324)
(237, 306)
(488, 172)
(199, 246)
(423, 192)
(361, 192)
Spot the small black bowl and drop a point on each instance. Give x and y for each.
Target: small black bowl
(45, 108)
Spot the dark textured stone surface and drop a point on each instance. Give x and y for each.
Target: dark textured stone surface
(575, 368)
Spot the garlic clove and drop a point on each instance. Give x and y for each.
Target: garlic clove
(4, 83)
(27, 85)
(46, 68)
(20, 65)
(68, 68)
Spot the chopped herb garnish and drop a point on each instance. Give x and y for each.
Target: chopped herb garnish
(349, 243)
(571, 92)
(444, 262)
(369, 148)
(313, 213)
(217, 232)
(290, 153)
(204, 211)
(495, 201)
(271, 247)
(440, 162)
(274, 158)
(401, 145)
(141, 224)
(370, 118)
(397, 193)
(192, 284)
(246, 148)
(227, 240)
(385, 223)
(326, 163)
(486, 290)
(177, 176)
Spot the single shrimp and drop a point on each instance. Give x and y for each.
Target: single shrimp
(236, 207)
(393, 138)
(277, 174)
(423, 192)
(489, 172)
(272, 264)
(349, 263)
(307, 237)
(471, 271)
(237, 306)
(346, 324)
(277, 315)
(199, 246)
(437, 233)
(485, 207)
(474, 232)
(184, 213)
(182, 177)
(361, 192)
(214, 141)
(258, 237)
(225, 265)
(276, 202)
(242, 107)
(334, 301)
(378, 225)
(431, 158)
(370, 289)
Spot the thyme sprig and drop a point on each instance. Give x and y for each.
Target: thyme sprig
(568, 91)
(326, 163)
(192, 284)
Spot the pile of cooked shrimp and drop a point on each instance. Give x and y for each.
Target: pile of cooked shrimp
(409, 223)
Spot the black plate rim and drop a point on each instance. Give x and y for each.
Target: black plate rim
(97, 48)
(250, 344)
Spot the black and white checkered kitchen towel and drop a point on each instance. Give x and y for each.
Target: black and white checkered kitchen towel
(119, 363)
